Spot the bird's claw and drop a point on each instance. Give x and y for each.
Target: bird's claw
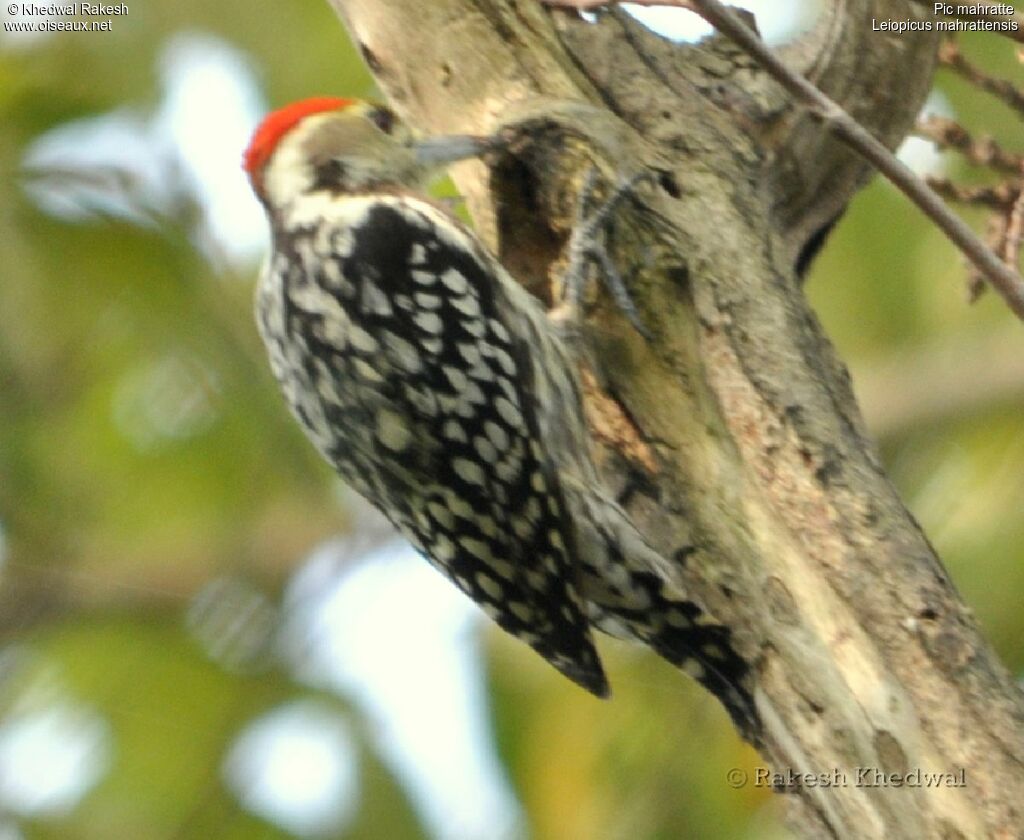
(587, 247)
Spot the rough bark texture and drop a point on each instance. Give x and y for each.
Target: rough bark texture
(732, 435)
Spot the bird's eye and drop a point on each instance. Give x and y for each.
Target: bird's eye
(383, 118)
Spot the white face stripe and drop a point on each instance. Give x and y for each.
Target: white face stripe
(287, 174)
(366, 156)
(344, 211)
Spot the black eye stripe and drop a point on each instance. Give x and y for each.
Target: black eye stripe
(329, 173)
(383, 118)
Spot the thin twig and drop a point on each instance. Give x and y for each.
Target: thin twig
(988, 14)
(1014, 233)
(951, 57)
(999, 197)
(982, 151)
(1008, 283)
(995, 238)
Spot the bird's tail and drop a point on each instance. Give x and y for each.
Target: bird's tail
(704, 650)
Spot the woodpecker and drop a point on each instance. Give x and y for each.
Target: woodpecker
(440, 390)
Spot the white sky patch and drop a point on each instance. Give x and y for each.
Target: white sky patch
(210, 108)
(36, 36)
(298, 767)
(50, 758)
(921, 155)
(399, 639)
(778, 20)
(9, 831)
(677, 24)
(130, 164)
(107, 163)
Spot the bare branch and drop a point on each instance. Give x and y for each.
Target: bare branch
(951, 57)
(1009, 284)
(998, 197)
(995, 236)
(1014, 232)
(982, 151)
(1005, 228)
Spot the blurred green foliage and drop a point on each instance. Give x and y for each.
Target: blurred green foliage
(111, 531)
(891, 292)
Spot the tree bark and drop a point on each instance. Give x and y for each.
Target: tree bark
(732, 435)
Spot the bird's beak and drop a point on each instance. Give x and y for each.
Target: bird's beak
(436, 151)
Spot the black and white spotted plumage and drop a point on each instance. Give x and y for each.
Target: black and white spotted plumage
(441, 391)
(392, 345)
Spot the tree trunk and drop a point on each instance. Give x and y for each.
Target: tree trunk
(732, 435)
